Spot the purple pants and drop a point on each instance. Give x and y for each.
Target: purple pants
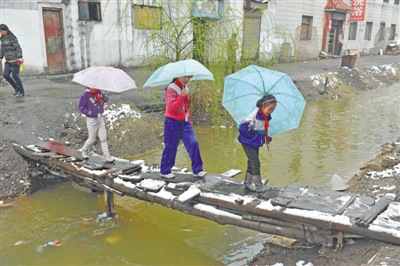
(174, 131)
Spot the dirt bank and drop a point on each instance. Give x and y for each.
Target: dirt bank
(49, 111)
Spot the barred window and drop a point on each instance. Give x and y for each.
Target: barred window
(89, 11)
(368, 31)
(392, 32)
(382, 31)
(353, 31)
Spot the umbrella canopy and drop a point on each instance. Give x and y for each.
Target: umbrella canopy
(244, 88)
(189, 67)
(105, 78)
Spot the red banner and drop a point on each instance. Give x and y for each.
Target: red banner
(330, 25)
(359, 10)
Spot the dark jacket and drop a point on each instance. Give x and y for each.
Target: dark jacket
(10, 48)
(88, 105)
(254, 136)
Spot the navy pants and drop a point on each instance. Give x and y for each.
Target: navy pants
(15, 81)
(339, 48)
(174, 131)
(253, 161)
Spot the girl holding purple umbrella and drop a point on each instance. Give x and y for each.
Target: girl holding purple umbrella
(178, 126)
(253, 134)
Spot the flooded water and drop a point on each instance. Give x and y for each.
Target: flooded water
(335, 136)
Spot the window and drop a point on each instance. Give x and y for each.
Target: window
(396, 2)
(382, 31)
(392, 32)
(368, 31)
(353, 31)
(147, 17)
(386, 1)
(306, 27)
(89, 11)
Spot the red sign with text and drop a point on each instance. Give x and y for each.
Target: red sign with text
(359, 10)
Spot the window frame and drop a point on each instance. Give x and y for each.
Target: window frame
(92, 10)
(381, 32)
(306, 21)
(147, 26)
(368, 31)
(392, 32)
(353, 31)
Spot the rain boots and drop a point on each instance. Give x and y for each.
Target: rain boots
(247, 182)
(16, 92)
(20, 93)
(259, 184)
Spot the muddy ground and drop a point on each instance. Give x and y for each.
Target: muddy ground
(48, 111)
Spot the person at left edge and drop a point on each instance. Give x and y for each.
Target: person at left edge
(12, 52)
(178, 126)
(91, 104)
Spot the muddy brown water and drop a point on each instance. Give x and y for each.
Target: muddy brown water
(335, 136)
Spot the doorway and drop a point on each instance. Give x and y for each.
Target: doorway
(54, 40)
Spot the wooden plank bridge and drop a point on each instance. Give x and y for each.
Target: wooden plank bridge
(298, 211)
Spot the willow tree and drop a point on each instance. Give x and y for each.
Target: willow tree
(178, 33)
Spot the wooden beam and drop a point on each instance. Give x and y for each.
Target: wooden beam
(109, 198)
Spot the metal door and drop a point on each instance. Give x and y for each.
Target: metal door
(331, 41)
(54, 39)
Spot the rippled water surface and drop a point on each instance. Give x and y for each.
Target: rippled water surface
(335, 136)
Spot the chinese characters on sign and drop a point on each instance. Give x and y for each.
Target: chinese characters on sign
(359, 10)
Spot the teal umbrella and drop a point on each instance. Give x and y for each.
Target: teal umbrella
(189, 67)
(244, 88)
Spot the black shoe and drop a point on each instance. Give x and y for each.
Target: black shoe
(20, 95)
(15, 93)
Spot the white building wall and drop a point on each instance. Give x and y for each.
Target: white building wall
(289, 14)
(376, 12)
(22, 24)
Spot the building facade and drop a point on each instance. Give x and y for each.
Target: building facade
(368, 25)
(59, 36)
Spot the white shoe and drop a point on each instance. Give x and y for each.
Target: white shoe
(168, 176)
(85, 154)
(108, 159)
(200, 174)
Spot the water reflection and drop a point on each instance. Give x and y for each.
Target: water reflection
(334, 137)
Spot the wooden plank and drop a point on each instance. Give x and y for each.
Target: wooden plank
(109, 199)
(350, 201)
(291, 192)
(60, 148)
(192, 193)
(379, 207)
(231, 173)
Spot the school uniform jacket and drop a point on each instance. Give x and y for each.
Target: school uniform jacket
(254, 136)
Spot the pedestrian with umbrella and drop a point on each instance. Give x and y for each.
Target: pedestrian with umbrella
(91, 104)
(93, 100)
(178, 122)
(250, 96)
(253, 134)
